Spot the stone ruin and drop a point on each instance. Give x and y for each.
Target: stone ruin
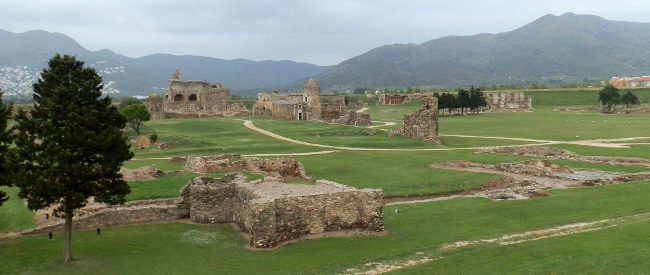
(423, 124)
(508, 102)
(268, 211)
(143, 173)
(532, 178)
(311, 104)
(192, 98)
(277, 168)
(355, 119)
(271, 212)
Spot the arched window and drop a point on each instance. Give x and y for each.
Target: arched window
(192, 97)
(178, 97)
(166, 96)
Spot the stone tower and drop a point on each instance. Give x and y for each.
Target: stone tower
(311, 96)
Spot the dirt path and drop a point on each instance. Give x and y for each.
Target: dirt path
(249, 124)
(595, 143)
(362, 110)
(419, 258)
(385, 124)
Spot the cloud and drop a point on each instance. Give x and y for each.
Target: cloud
(321, 32)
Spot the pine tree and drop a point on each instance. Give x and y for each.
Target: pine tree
(5, 140)
(71, 147)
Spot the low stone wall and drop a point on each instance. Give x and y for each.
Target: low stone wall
(273, 212)
(143, 173)
(283, 167)
(356, 119)
(130, 213)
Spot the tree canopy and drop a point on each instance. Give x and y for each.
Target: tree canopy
(71, 147)
(609, 96)
(630, 99)
(136, 114)
(5, 141)
(127, 101)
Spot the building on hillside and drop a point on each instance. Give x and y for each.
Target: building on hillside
(423, 124)
(508, 102)
(190, 98)
(308, 105)
(630, 82)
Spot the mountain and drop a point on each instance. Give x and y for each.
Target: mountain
(24, 55)
(553, 49)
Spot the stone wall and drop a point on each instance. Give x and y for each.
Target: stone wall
(273, 212)
(508, 102)
(356, 119)
(423, 124)
(308, 105)
(190, 98)
(154, 104)
(143, 173)
(137, 212)
(287, 110)
(284, 167)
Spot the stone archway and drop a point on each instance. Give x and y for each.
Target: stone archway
(178, 97)
(192, 97)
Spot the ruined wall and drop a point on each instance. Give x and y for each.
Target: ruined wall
(508, 102)
(297, 210)
(356, 119)
(154, 104)
(311, 94)
(284, 167)
(287, 110)
(136, 212)
(194, 98)
(423, 124)
(332, 107)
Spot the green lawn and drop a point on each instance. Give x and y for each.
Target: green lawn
(14, 215)
(211, 136)
(190, 248)
(423, 227)
(568, 98)
(622, 249)
(401, 173)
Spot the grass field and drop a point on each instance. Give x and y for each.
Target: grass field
(189, 248)
(416, 230)
(14, 215)
(575, 98)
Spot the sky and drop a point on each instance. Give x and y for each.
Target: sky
(321, 32)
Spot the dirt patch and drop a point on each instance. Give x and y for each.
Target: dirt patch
(555, 153)
(532, 178)
(533, 235)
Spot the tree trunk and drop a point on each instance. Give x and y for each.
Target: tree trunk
(67, 255)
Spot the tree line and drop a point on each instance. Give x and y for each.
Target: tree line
(610, 96)
(472, 100)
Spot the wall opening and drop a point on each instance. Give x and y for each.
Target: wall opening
(192, 97)
(178, 97)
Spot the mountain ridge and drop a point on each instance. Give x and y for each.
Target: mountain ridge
(551, 49)
(24, 55)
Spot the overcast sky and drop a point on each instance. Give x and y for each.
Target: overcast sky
(321, 31)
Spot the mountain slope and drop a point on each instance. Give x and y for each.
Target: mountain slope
(566, 48)
(24, 55)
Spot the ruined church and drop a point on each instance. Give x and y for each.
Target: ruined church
(308, 105)
(189, 98)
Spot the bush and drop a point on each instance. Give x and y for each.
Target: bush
(153, 137)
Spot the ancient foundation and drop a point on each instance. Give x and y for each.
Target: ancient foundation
(272, 212)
